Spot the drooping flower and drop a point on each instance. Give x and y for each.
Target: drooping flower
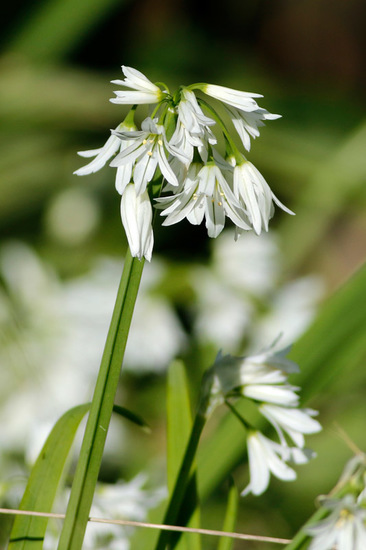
(295, 422)
(206, 194)
(102, 155)
(240, 100)
(136, 214)
(343, 529)
(146, 153)
(266, 457)
(247, 123)
(143, 92)
(254, 193)
(262, 377)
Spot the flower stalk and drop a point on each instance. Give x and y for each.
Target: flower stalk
(88, 466)
(187, 467)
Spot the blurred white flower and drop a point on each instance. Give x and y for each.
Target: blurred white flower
(119, 501)
(220, 316)
(290, 311)
(240, 298)
(262, 377)
(295, 422)
(266, 457)
(53, 335)
(343, 529)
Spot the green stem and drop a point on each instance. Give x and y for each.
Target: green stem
(184, 474)
(187, 468)
(88, 466)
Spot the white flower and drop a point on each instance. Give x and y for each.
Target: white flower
(102, 155)
(136, 213)
(195, 123)
(247, 124)
(295, 422)
(147, 152)
(343, 529)
(265, 457)
(144, 90)
(256, 196)
(206, 194)
(240, 100)
(192, 116)
(260, 377)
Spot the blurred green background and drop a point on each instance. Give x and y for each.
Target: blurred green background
(308, 60)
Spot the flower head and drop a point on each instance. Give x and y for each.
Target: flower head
(344, 528)
(262, 378)
(182, 129)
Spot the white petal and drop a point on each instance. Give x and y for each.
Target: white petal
(236, 98)
(130, 98)
(136, 214)
(102, 156)
(259, 471)
(271, 394)
(165, 167)
(144, 171)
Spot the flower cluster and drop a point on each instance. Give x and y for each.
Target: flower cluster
(262, 378)
(178, 143)
(345, 523)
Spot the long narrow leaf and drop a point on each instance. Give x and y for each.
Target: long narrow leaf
(179, 419)
(28, 532)
(226, 543)
(179, 424)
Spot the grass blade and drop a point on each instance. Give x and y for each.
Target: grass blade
(28, 532)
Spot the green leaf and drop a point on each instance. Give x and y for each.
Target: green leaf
(225, 543)
(179, 424)
(327, 192)
(132, 417)
(28, 532)
(332, 349)
(179, 420)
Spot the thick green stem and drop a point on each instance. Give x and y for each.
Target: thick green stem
(88, 466)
